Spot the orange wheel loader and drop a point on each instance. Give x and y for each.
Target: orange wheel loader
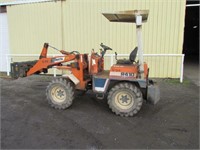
(125, 85)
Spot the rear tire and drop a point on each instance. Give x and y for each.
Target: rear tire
(60, 93)
(125, 99)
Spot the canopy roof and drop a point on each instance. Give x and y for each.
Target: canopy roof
(126, 16)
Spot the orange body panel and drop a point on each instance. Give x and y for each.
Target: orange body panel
(96, 64)
(145, 70)
(127, 71)
(81, 72)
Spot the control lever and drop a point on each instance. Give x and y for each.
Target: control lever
(116, 56)
(105, 48)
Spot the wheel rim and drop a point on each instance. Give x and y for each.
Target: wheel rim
(58, 94)
(124, 100)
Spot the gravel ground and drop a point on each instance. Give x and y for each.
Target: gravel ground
(28, 122)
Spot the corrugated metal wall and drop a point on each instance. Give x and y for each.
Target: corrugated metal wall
(3, 1)
(31, 25)
(79, 25)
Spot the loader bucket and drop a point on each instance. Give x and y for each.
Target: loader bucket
(19, 69)
(153, 93)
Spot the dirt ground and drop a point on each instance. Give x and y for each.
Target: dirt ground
(28, 122)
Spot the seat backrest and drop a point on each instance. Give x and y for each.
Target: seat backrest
(133, 55)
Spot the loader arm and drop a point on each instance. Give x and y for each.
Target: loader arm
(45, 63)
(23, 69)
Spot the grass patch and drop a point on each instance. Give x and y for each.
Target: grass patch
(177, 81)
(4, 75)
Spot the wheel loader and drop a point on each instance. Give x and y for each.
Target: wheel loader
(126, 85)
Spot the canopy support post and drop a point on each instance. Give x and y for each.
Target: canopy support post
(140, 46)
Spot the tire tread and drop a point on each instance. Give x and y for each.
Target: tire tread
(135, 90)
(67, 85)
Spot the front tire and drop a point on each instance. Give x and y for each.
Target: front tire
(60, 93)
(125, 99)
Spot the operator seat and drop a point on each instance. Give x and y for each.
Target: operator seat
(131, 59)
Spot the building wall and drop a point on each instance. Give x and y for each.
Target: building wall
(4, 1)
(79, 25)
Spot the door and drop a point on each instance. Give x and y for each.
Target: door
(4, 41)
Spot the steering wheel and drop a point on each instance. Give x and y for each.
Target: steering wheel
(105, 48)
(74, 52)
